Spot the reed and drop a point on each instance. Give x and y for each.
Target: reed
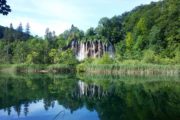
(131, 69)
(109, 69)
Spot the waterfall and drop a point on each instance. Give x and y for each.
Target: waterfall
(81, 53)
(111, 51)
(94, 49)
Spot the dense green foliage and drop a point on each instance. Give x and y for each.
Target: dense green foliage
(148, 33)
(17, 46)
(154, 27)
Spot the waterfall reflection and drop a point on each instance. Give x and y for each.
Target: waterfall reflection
(90, 90)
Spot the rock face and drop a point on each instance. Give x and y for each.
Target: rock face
(94, 49)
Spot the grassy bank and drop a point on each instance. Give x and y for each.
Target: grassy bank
(108, 69)
(129, 69)
(36, 68)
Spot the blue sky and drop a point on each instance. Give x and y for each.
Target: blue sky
(59, 15)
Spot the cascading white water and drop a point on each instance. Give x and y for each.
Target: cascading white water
(111, 51)
(94, 49)
(81, 55)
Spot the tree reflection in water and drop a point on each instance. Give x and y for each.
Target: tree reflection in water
(113, 99)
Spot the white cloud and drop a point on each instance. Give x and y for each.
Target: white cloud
(58, 15)
(36, 26)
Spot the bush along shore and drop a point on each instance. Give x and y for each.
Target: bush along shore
(108, 69)
(106, 65)
(36, 68)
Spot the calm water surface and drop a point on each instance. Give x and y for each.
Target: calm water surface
(68, 97)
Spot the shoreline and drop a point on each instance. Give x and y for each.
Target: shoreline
(138, 69)
(108, 69)
(36, 68)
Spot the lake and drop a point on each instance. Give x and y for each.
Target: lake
(86, 97)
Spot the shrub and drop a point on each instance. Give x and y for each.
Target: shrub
(131, 62)
(149, 56)
(81, 67)
(118, 58)
(105, 59)
(177, 57)
(67, 57)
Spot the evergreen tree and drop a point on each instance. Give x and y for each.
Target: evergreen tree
(53, 35)
(19, 33)
(49, 35)
(11, 33)
(20, 28)
(27, 29)
(11, 26)
(46, 36)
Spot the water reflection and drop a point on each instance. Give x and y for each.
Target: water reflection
(90, 90)
(67, 97)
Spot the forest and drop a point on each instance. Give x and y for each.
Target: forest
(148, 34)
(127, 67)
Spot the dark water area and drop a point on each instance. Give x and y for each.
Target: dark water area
(83, 97)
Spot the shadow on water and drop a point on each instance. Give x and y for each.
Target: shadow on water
(68, 97)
